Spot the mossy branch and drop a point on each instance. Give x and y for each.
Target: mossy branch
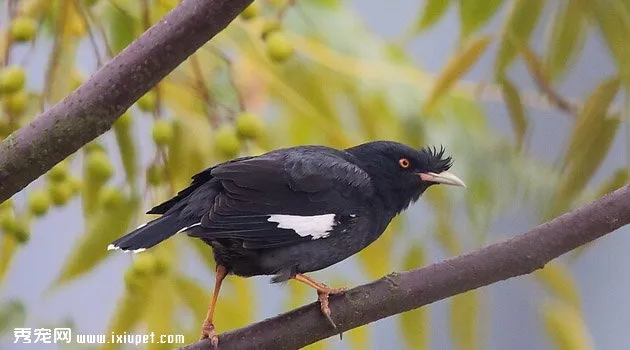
(400, 292)
(91, 110)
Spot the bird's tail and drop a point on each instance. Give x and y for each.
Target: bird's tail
(149, 234)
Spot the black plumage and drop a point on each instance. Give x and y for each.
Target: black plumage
(295, 210)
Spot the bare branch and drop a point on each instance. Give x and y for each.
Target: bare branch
(399, 292)
(92, 109)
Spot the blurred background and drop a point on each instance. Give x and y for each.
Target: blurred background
(528, 96)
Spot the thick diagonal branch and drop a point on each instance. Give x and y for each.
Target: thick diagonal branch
(92, 109)
(399, 292)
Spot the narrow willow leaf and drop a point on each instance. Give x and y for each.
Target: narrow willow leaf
(568, 34)
(540, 75)
(464, 318)
(557, 278)
(159, 318)
(589, 120)
(126, 145)
(474, 14)
(444, 233)
(431, 13)
(613, 19)
(414, 324)
(7, 252)
(565, 327)
(519, 26)
(456, 67)
(12, 315)
(584, 166)
(515, 109)
(130, 311)
(194, 297)
(619, 178)
(91, 248)
(58, 83)
(359, 338)
(123, 27)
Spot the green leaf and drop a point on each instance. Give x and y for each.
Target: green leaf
(7, 251)
(12, 315)
(414, 324)
(565, 326)
(568, 34)
(130, 311)
(619, 178)
(194, 297)
(557, 278)
(106, 226)
(519, 27)
(613, 19)
(123, 27)
(126, 145)
(456, 67)
(160, 317)
(585, 164)
(515, 109)
(474, 14)
(589, 121)
(431, 14)
(464, 317)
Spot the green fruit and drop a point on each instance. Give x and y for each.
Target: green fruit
(59, 172)
(144, 264)
(60, 193)
(15, 103)
(8, 222)
(99, 166)
(12, 79)
(23, 28)
(146, 103)
(111, 198)
(94, 146)
(250, 11)
(248, 125)
(21, 233)
(279, 48)
(162, 132)
(38, 202)
(155, 175)
(269, 27)
(76, 184)
(132, 280)
(124, 121)
(226, 142)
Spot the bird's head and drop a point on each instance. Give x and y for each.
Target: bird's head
(402, 173)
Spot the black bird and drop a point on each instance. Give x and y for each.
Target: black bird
(294, 210)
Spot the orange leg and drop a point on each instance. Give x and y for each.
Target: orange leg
(323, 292)
(207, 330)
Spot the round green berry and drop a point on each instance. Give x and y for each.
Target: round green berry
(248, 125)
(162, 132)
(12, 79)
(226, 142)
(279, 47)
(38, 202)
(99, 166)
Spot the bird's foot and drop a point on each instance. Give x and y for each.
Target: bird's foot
(207, 331)
(322, 295)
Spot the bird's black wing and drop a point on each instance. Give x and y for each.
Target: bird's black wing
(282, 198)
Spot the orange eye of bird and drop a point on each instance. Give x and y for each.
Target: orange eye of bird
(404, 163)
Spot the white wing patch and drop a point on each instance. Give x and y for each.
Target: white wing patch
(317, 226)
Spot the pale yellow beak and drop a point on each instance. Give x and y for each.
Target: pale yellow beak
(444, 177)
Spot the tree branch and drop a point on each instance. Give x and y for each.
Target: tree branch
(399, 292)
(91, 110)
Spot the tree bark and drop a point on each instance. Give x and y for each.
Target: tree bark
(91, 110)
(399, 292)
